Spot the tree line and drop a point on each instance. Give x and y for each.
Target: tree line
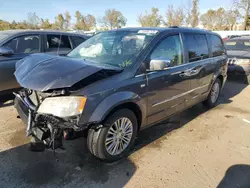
(189, 15)
(185, 15)
(112, 19)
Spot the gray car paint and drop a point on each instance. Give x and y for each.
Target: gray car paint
(238, 54)
(42, 72)
(237, 69)
(157, 95)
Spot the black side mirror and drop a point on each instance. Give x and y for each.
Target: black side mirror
(159, 64)
(6, 51)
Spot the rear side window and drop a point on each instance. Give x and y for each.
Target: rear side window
(197, 46)
(237, 45)
(55, 41)
(217, 46)
(77, 40)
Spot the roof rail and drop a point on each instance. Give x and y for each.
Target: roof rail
(237, 36)
(173, 27)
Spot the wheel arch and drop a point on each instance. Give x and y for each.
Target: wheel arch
(127, 100)
(221, 78)
(218, 75)
(127, 105)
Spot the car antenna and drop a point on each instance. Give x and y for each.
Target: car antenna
(58, 48)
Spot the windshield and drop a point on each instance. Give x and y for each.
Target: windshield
(238, 45)
(117, 48)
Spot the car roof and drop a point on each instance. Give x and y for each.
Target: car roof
(17, 32)
(242, 37)
(165, 29)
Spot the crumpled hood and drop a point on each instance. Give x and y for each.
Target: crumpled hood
(238, 54)
(42, 72)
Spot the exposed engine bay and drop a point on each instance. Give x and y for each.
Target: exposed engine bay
(45, 129)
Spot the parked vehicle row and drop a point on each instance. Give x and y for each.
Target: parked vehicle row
(18, 44)
(117, 83)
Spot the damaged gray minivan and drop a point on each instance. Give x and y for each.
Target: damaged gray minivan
(118, 83)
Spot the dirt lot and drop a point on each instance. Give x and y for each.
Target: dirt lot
(198, 148)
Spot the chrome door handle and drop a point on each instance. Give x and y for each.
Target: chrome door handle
(194, 71)
(189, 72)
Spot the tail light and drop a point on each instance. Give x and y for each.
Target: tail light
(242, 62)
(234, 61)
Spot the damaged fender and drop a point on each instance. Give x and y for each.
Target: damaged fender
(115, 100)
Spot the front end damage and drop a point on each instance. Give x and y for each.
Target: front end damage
(46, 130)
(47, 105)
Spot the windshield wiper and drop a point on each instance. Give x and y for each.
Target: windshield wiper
(91, 62)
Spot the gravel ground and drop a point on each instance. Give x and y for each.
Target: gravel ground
(197, 148)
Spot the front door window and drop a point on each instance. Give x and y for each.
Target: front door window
(24, 44)
(170, 48)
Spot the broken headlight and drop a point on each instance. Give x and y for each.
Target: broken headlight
(63, 106)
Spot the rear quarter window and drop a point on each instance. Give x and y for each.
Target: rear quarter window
(217, 46)
(238, 45)
(197, 46)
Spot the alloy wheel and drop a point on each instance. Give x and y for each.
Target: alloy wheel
(119, 136)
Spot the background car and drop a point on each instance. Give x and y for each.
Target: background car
(17, 44)
(238, 50)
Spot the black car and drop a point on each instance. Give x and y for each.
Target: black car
(238, 50)
(118, 83)
(17, 44)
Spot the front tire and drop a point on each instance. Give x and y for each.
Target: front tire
(214, 94)
(114, 140)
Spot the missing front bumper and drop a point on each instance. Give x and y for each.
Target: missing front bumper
(45, 129)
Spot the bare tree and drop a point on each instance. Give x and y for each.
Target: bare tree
(152, 19)
(219, 19)
(231, 17)
(33, 20)
(113, 19)
(174, 17)
(80, 24)
(188, 17)
(59, 22)
(67, 19)
(195, 14)
(4, 25)
(45, 24)
(244, 7)
(84, 22)
(208, 19)
(90, 21)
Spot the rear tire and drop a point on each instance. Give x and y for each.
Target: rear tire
(114, 140)
(214, 94)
